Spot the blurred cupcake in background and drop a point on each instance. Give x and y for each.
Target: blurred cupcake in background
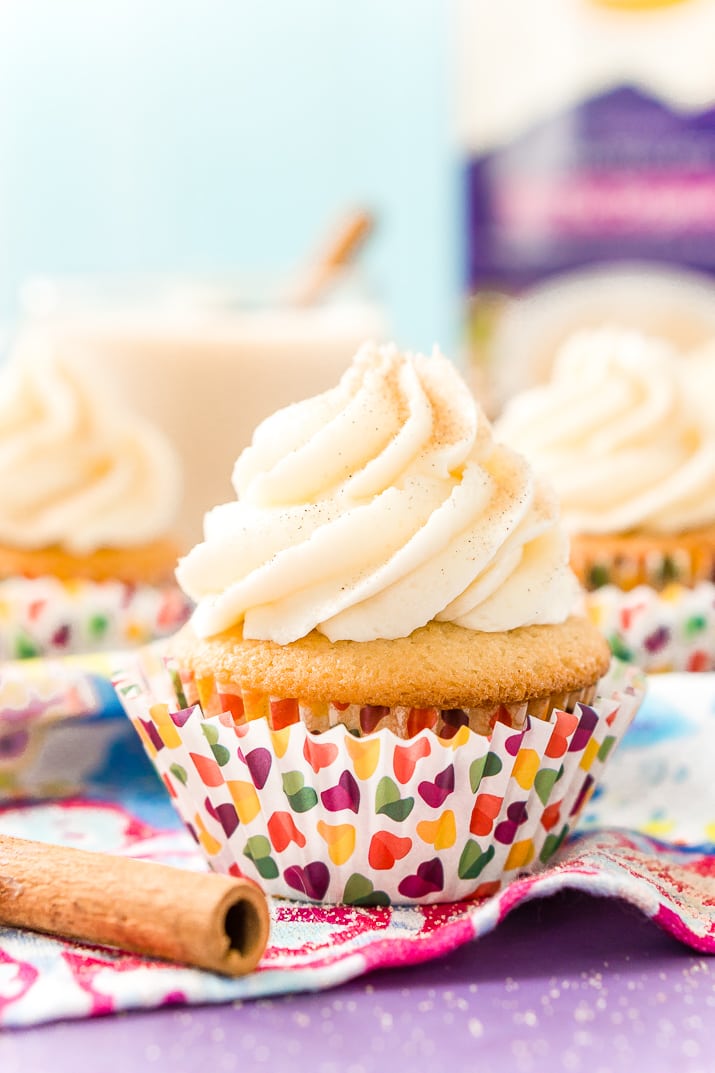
(699, 381)
(88, 495)
(629, 446)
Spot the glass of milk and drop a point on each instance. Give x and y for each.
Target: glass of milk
(205, 359)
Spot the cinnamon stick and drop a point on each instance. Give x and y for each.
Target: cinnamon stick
(211, 921)
(339, 249)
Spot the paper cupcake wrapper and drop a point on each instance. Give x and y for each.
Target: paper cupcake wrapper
(655, 567)
(378, 819)
(51, 617)
(668, 630)
(215, 697)
(54, 730)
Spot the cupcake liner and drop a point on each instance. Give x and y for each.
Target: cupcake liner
(377, 819)
(628, 567)
(52, 617)
(668, 630)
(56, 727)
(215, 697)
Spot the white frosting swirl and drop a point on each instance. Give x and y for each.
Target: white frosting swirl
(699, 377)
(76, 469)
(616, 432)
(369, 510)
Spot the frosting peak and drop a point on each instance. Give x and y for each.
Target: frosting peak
(617, 433)
(76, 470)
(375, 507)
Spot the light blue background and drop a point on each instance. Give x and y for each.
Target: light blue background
(226, 135)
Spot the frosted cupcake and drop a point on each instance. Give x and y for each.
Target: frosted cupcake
(383, 694)
(385, 563)
(88, 494)
(632, 459)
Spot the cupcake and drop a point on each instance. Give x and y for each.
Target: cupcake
(88, 493)
(699, 380)
(632, 458)
(383, 693)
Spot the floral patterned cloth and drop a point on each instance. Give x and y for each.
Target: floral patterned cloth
(657, 788)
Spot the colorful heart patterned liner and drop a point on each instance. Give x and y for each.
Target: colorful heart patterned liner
(655, 567)
(668, 630)
(375, 820)
(48, 616)
(215, 697)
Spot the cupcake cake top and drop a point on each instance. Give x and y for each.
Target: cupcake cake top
(77, 471)
(617, 432)
(378, 506)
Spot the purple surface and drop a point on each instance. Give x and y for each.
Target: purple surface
(573, 983)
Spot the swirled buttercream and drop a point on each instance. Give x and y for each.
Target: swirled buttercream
(76, 469)
(617, 433)
(699, 377)
(369, 510)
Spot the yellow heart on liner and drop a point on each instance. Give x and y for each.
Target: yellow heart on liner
(365, 754)
(340, 839)
(460, 738)
(210, 844)
(526, 767)
(520, 854)
(146, 740)
(245, 799)
(165, 726)
(280, 740)
(589, 754)
(441, 833)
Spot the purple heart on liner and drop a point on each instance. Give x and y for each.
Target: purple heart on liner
(453, 719)
(259, 764)
(582, 795)
(180, 718)
(345, 795)
(370, 716)
(513, 743)
(14, 744)
(313, 880)
(429, 879)
(584, 730)
(516, 812)
(224, 814)
(152, 733)
(436, 793)
(505, 832)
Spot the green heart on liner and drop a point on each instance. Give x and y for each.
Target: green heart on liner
(25, 647)
(221, 753)
(267, 868)
(544, 783)
(606, 746)
(178, 688)
(389, 803)
(258, 850)
(257, 847)
(303, 800)
(473, 860)
(293, 781)
(489, 764)
(360, 891)
(552, 843)
(179, 773)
